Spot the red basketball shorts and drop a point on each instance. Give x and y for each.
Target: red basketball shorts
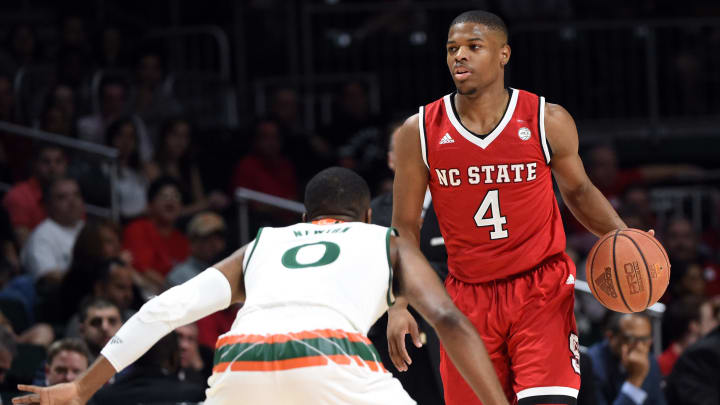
(528, 326)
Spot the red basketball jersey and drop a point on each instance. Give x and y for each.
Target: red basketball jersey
(493, 194)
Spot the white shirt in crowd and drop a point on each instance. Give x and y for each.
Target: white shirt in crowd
(49, 248)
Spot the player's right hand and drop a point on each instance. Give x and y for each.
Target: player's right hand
(400, 323)
(61, 394)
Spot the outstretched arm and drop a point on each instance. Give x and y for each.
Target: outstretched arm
(419, 283)
(585, 201)
(210, 291)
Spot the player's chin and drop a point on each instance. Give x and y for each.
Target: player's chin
(465, 89)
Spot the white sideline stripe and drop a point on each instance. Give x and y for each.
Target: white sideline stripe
(538, 391)
(543, 139)
(421, 124)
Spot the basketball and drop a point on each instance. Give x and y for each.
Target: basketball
(627, 270)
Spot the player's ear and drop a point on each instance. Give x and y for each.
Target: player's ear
(368, 216)
(304, 217)
(505, 54)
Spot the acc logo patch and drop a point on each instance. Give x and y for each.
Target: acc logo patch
(524, 133)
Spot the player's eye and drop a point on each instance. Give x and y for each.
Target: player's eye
(452, 49)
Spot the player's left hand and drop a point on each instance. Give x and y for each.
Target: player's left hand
(61, 394)
(400, 323)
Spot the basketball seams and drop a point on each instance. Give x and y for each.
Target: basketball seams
(592, 267)
(617, 278)
(662, 249)
(647, 269)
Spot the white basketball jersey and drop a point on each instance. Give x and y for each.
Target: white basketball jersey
(344, 267)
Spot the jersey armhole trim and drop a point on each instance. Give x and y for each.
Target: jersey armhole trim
(246, 261)
(541, 124)
(390, 296)
(423, 140)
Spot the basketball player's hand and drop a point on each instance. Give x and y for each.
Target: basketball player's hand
(636, 361)
(400, 323)
(61, 394)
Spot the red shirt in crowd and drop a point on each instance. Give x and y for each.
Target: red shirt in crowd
(214, 325)
(24, 204)
(667, 360)
(151, 249)
(276, 178)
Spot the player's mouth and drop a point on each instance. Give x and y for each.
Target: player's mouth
(461, 73)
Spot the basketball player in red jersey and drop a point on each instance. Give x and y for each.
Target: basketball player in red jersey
(488, 154)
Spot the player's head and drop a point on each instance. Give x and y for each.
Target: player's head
(338, 193)
(628, 330)
(66, 360)
(477, 50)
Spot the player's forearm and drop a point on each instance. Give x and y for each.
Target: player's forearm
(593, 210)
(94, 378)
(467, 352)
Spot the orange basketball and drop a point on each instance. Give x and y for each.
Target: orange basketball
(627, 270)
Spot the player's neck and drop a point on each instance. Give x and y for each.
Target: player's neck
(330, 219)
(484, 105)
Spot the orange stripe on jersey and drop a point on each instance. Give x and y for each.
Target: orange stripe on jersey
(286, 337)
(289, 364)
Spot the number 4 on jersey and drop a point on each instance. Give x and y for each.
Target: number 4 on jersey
(491, 202)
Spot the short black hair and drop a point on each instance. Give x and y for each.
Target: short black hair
(680, 313)
(158, 185)
(337, 191)
(613, 319)
(97, 303)
(485, 18)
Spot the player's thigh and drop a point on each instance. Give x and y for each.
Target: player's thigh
(543, 344)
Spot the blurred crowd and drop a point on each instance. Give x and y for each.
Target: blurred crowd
(69, 278)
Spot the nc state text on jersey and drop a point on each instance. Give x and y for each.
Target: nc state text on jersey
(489, 174)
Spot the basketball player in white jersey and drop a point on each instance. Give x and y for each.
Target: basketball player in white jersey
(311, 292)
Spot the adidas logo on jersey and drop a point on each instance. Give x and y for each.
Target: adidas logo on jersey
(446, 139)
(570, 279)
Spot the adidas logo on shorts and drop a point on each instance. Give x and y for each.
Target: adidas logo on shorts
(446, 139)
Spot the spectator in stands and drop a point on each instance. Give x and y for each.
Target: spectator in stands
(97, 242)
(47, 252)
(309, 152)
(100, 319)
(266, 168)
(174, 158)
(195, 360)
(150, 99)
(8, 350)
(154, 242)
(20, 48)
(686, 279)
(66, 360)
(113, 106)
(111, 52)
(685, 321)
(694, 378)
(358, 134)
(152, 379)
(54, 120)
(131, 183)
(24, 200)
(206, 232)
(58, 115)
(625, 371)
(115, 284)
(682, 243)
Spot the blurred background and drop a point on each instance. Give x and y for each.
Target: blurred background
(140, 141)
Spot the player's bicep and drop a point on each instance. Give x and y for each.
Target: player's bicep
(411, 179)
(562, 136)
(232, 268)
